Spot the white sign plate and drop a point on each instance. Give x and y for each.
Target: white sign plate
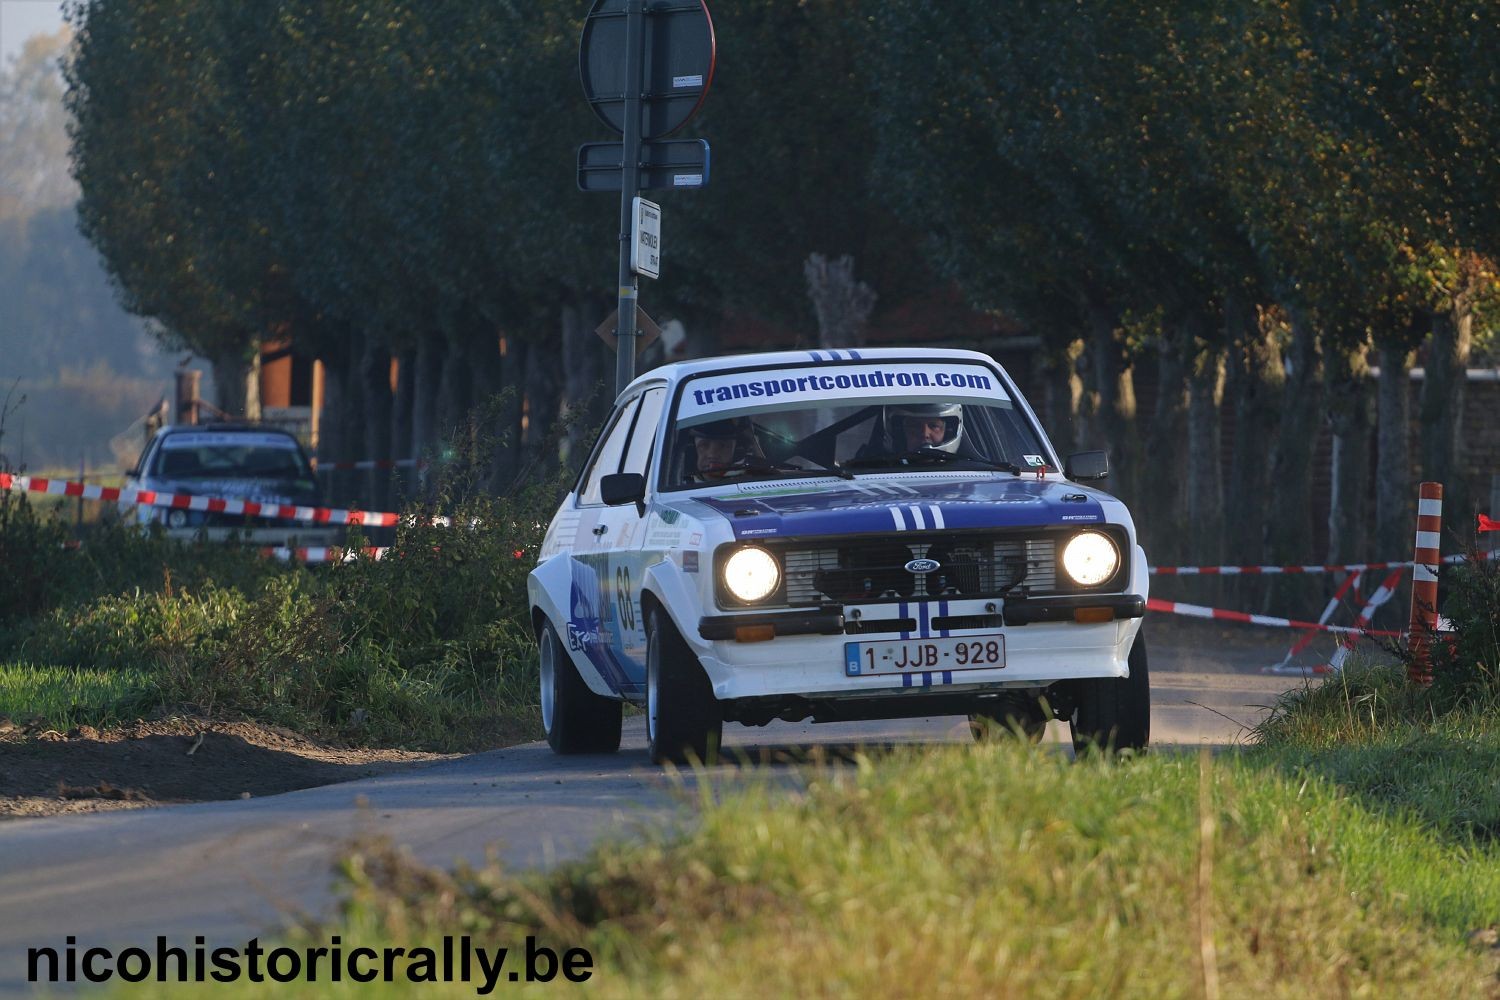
(645, 251)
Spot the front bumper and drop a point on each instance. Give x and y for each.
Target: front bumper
(807, 656)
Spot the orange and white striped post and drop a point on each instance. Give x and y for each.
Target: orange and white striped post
(1424, 587)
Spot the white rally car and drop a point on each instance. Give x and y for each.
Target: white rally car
(836, 535)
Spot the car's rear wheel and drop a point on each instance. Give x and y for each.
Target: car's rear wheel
(1005, 717)
(684, 721)
(1115, 713)
(576, 719)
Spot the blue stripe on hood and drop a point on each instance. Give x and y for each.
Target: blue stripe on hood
(895, 507)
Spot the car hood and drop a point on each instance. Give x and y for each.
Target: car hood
(769, 511)
(279, 491)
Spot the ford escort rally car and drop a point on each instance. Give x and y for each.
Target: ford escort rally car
(836, 535)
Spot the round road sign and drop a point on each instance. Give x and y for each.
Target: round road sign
(677, 63)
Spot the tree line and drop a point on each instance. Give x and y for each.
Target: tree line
(1251, 201)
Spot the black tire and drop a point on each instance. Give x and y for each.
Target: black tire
(576, 719)
(1001, 718)
(684, 722)
(1115, 713)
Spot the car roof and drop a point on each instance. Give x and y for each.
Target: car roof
(679, 370)
(225, 428)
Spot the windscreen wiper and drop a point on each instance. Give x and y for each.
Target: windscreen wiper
(932, 455)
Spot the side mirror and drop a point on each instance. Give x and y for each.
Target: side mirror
(1083, 466)
(623, 487)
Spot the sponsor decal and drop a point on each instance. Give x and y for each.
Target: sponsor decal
(690, 561)
(229, 439)
(717, 396)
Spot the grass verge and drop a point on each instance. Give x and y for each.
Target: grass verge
(62, 698)
(991, 870)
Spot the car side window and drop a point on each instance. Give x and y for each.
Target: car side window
(607, 456)
(638, 454)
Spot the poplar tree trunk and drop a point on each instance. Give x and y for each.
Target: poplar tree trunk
(543, 393)
(237, 384)
(1395, 490)
(1061, 391)
(1289, 533)
(348, 484)
(426, 378)
(587, 378)
(401, 415)
(1254, 380)
(1114, 389)
(506, 415)
(1162, 488)
(1349, 416)
(331, 442)
(455, 388)
(375, 374)
(1205, 471)
(841, 302)
(1442, 406)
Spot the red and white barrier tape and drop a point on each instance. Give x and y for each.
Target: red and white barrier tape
(1351, 582)
(365, 464)
(1383, 593)
(1487, 524)
(1199, 611)
(185, 501)
(315, 554)
(1267, 570)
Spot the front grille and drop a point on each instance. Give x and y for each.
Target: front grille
(865, 569)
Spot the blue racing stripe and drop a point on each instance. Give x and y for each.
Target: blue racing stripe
(815, 355)
(906, 680)
(922, 622)
(943, 612)
(947, 677)
(927, 678)
(902, 613)
(855, 356)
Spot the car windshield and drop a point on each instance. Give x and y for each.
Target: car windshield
(847, 419)
(223, 456)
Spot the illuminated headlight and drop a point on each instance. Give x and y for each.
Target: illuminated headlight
(1090, 558)
(751, 575)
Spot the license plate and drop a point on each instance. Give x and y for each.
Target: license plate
(902, 656)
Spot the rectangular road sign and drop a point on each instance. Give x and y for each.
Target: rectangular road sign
(645, 247)
(666, 164)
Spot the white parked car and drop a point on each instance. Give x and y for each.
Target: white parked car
(836, 535)
(230, 462)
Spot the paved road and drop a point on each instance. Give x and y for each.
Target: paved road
(231, 870)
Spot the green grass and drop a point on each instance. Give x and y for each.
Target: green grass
(429, 648)
(64, 697)
(1396, 746)
(985, 871)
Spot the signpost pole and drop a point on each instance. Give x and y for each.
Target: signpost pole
(635, 18)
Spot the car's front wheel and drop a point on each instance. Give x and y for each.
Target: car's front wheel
(576, 719)
(683, 719)
(1115, 712)
(1005, 717)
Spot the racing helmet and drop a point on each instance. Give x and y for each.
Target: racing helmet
(952, 414)
(730, 428)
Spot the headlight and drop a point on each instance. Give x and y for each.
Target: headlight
(1090, 558)
(177, 518)
(751, 575)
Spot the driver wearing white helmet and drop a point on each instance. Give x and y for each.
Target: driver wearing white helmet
(919, 426)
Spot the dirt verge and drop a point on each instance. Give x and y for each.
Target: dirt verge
(44, 773)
